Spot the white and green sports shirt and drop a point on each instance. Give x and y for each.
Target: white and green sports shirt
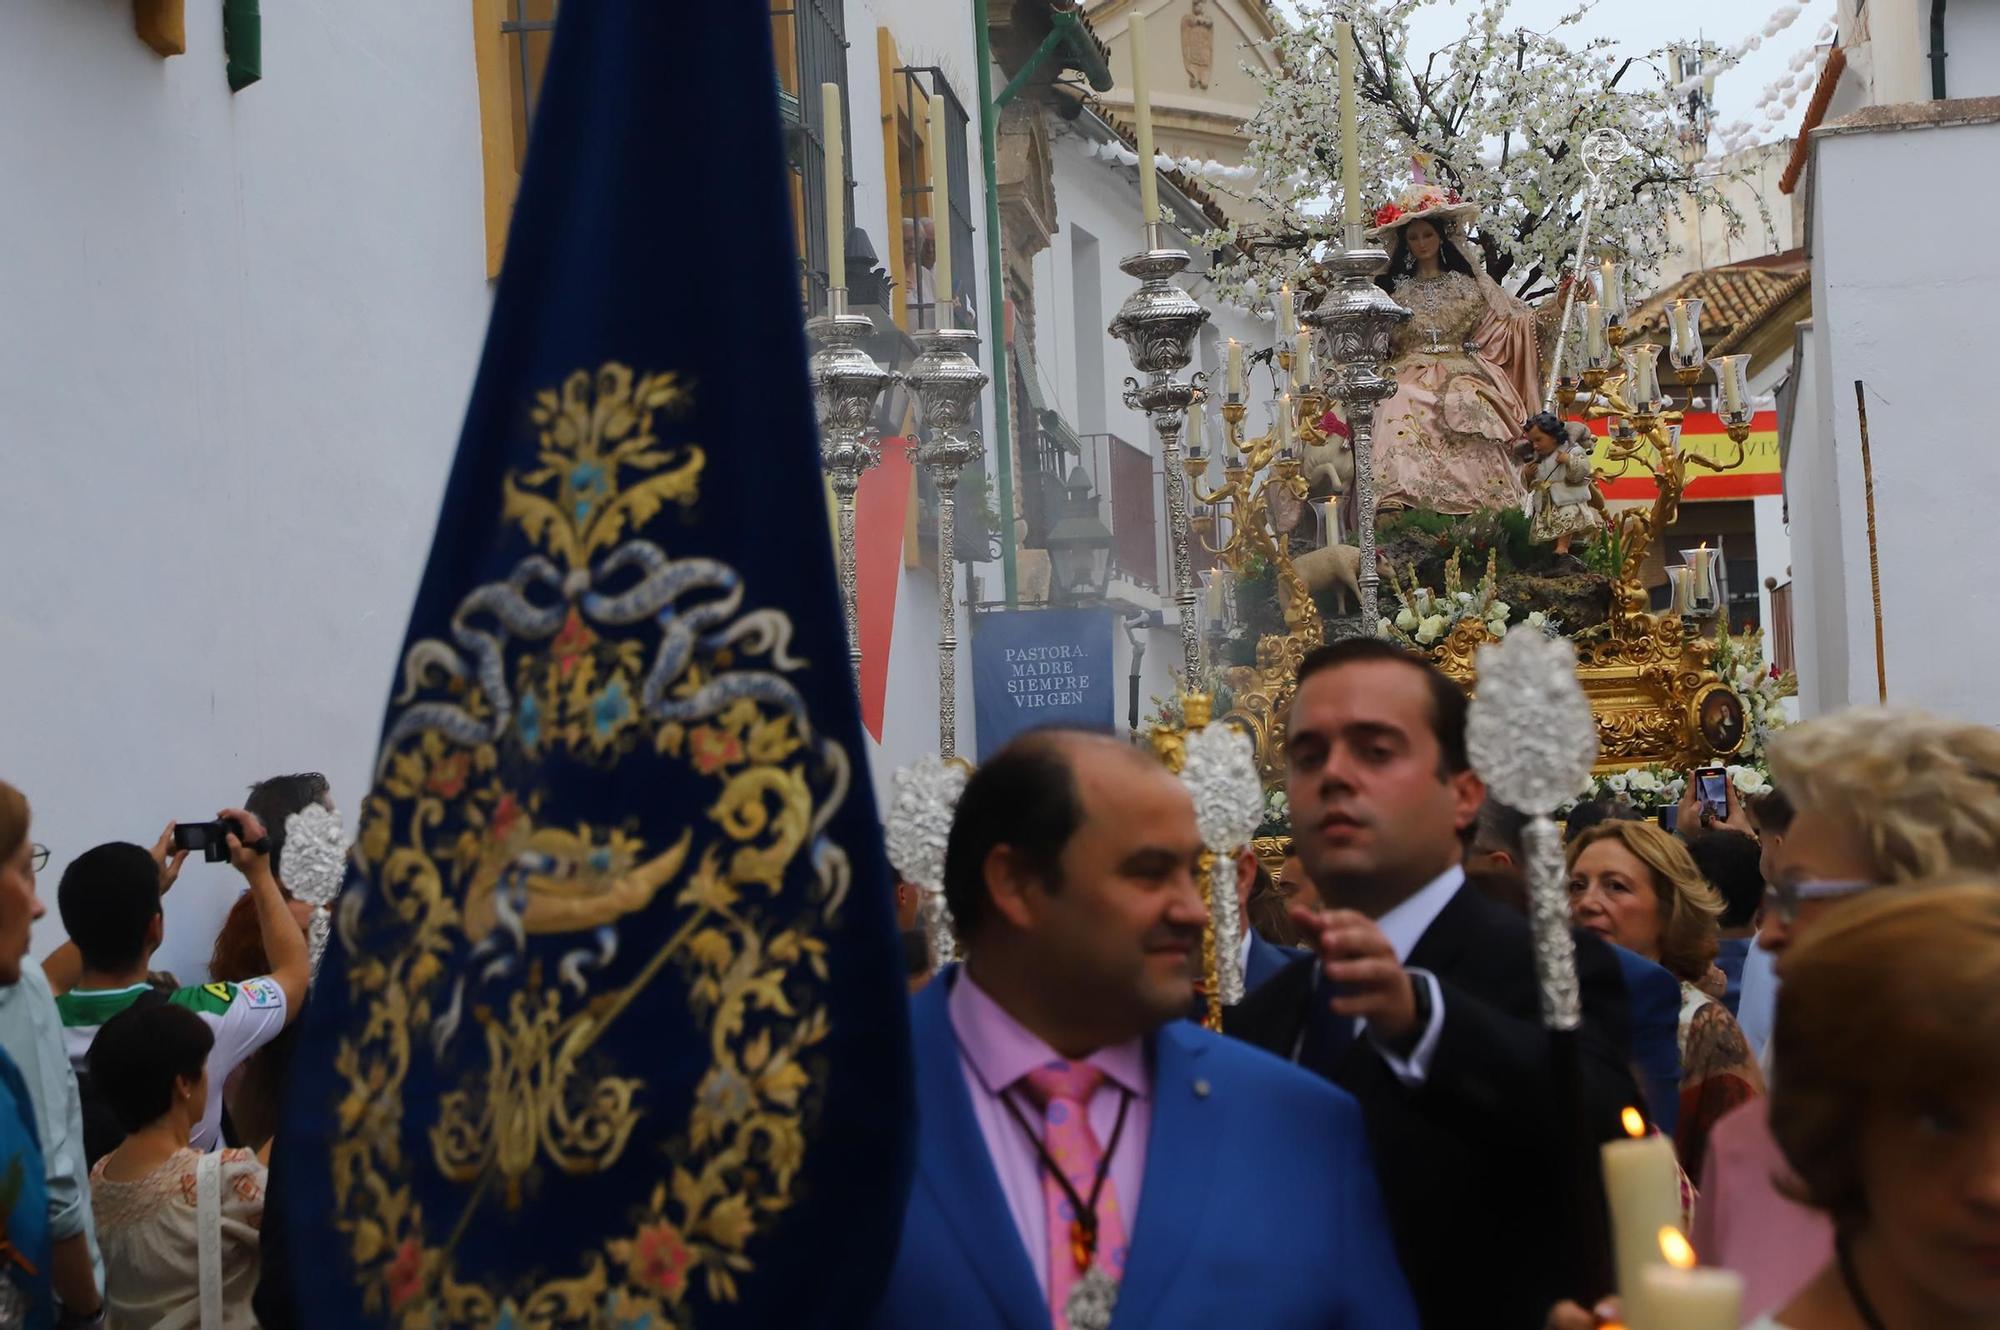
(243, 1017)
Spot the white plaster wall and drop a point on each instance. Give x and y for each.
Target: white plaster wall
(1898, 317)
(1748, 180)
(239, 333)
(1774, 556)
(1972, 48)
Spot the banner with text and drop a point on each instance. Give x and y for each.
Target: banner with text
(1036, 668)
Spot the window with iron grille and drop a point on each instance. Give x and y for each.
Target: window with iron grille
(915, 86)
(811, 42)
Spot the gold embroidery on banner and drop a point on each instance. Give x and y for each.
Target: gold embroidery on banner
(573, 655)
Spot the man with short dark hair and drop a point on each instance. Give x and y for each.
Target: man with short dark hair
(110, 904)
(1423, 999)
(1076, 1143)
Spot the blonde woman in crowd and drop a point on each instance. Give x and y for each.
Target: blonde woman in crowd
(1880, 798)
(1633, 884)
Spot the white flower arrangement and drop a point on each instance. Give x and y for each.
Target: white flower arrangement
(1427, 617)
(1649, 789)
(1739, 660)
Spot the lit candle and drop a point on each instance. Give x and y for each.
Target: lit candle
(1235, 370)
(1611, 290)
(1677, 1296)
(1593, 335)
(941, 210)
(1350, 137)
(1705, 590)
(1142, 115)
(1729, 374)
(1288, 316)
(836, 186)
(1679, 316)
(1285, 422)
(1301, 358)
(1331, 507)
(1642, 1184)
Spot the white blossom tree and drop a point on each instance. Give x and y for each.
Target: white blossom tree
(1500, 115)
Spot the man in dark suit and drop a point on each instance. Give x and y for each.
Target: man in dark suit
(1074, 1140)
(1422, 1000)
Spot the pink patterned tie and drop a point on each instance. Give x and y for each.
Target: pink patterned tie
(1063, 1090)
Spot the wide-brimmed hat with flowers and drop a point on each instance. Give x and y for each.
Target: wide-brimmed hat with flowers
(1423, 201)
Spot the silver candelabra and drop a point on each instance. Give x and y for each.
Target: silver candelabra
(1355, 326)
(1158, 324)
(846, 385)
(946, 379)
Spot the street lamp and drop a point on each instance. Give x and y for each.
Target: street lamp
(1080, 545)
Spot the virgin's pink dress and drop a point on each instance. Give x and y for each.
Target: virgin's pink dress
(1445, 440)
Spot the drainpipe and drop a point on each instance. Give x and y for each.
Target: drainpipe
(1937, 50)
(1065, 30)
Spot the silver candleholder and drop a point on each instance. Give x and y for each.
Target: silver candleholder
(1354, 328)
(1158, 324)
(846, 385)
(947, 380)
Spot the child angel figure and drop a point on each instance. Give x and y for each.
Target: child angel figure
(1562, 501)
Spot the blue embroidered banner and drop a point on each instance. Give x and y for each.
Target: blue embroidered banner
(1036, 668)
(611, 1032)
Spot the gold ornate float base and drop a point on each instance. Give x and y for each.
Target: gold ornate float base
(1652, 687)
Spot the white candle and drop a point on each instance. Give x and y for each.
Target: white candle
(1350, 137)
(1612, 291)
(1678, 1296)
(1593, 334)
(1194, 430)
(1301, 358)
(836, 185)
(1288, 318)
(1680, 579)
(1728, 373)
(1235, 370)
(941, 210)
(1285, 422)
(1642, 1184)
(1680, 322)
(1142, 115)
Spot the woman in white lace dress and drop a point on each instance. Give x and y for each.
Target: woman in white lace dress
(179, 1229)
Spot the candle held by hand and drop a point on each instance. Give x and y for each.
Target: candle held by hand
(1678, 1296)
(1642, 1184)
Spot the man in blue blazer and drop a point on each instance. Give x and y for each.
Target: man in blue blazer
(1084, 1159)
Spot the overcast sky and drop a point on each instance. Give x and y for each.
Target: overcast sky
(1640, 25)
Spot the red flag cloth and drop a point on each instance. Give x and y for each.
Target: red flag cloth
(881, 510)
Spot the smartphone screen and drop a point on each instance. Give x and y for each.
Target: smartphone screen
(1712, 785)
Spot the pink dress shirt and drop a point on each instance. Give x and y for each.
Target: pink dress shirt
(1744, 1223)
(995, 1051)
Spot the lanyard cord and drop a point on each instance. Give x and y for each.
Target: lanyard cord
(1082, 1229)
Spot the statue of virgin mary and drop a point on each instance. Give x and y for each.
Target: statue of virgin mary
(1466, 366)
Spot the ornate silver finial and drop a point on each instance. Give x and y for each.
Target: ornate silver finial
(1221, 774)
(315, 860)
(1532, 740)
(1602, 149)
(919, 828)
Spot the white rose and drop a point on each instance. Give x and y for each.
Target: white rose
(1616, 782)
(1431, 629)
(1407, 620)
(1499, 609)
(1645, 781)
(1423, 600)
(1465, 597)
(1384, 625)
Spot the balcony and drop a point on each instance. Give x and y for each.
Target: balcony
(1125, 476)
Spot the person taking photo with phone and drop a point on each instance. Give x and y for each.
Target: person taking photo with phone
(109, 899)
